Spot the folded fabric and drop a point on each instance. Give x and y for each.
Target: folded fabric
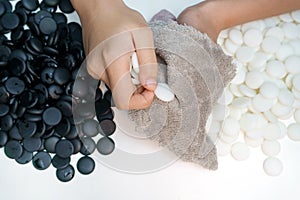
(197, 70)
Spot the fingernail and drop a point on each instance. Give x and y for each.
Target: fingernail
(151, 82)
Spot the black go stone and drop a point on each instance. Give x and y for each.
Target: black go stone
(105, 145)
(59, 162)
(13, 149)
(64, 148)
(65, 174)
(25, 158)
(85, 165)
(3, 138)
(30, 5)
(41, 160)
(107, 127)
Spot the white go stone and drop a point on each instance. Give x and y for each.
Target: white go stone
(253, 37)
(271, 21)
(236, 36)
(269, 90)
(255, 134)
(281, 110)
(296, 15)
(220, 112)
(293, 131)
(245, 90)
(230, 46)
(286, 17)
(223, 149)
(254, 79)
(230, 126)
(272, 166)
(257, 24)
(295, 43)
(235, 113)
(253, 143)
(283, 129)
(270, 116)
(297, 104)
(276, 69)
(240, 73)
(224, 34)
(296, 82)
(226, 97)
(290, 30)
(292, 64)
(284, 51)
(228, 139)
(258, 62)
(244, 54)
(272, 131)
(135, 63)
(240, 151)
(289, 81)
(286, 98)
(297, 116)
(241, 102)
(270, 44)
(248, 122)
(271, 148)
(262, 104)
(135, 78)
(164, 92)
(275, 32)
(296, 93)
(234, 89)
(287, 116)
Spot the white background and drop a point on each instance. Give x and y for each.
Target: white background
(233, 180)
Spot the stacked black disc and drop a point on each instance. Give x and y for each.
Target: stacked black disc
(41, 55)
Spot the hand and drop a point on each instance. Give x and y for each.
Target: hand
(110, 27)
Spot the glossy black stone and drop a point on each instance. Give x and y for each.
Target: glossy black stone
(14, 133)
(66, 6)
(41, 160)
(85, 165)
(50, 143)
(105, 145)
(47, 25)
(4, 109)
(63, 128)
(25, 158)
(6, 122)
(32, 144)
(27, 129)
(47, 75)
(77, 145)
(30, 5)
(41, 129)
(41, 15)
(3, 138)
(108, 115)
(65, 174)
(13, 149)
(17, 66)
(15, 85)
(61, 75)
(32, 118)
(59, 162)
(21, 12)
(52, 2)
(29, 98)
(42, 93)
(55, 91)
(10, 21)
(7, 5)
(88, 146)
(52, 116)
(107, 127)
(102, 106)
(4, 95)
(60, 18)
(90, 128)
(65, 107)
(64, 148)
(36, 45)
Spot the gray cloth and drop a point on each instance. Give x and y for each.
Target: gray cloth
(197, 70)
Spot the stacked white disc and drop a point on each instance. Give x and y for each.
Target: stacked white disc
(265, 91)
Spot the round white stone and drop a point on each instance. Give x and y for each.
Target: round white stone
(135, 77)
(296, 82)
(245, 54)
(286, 17)
(284, 51)
(240, 151)
(223, 149)
(253, 143)
(235, 90)
(296, 15)
(257, 24)
(290, 30)
(226, 97)
(296, 93)
(253, 37)
(255, 134)
(230, 46)
(292, 64)
(248, 122)
(258, 62)
(286, 98)
(241, 102)
(245, 90)
(135, 63)
(271, 21)
(270, 116)
(228, 139)
(271, 148)
(295, 43)
(289, 81)
(230, 126)
(235, 113)
(275, 32)
(272, 166)
(164, 93)
(297, 116)
(281, 110)
(293, 131)
(236, 36)
(269, 90)
(272, 131)
(261, 104)
(270, 44)
(276, 69)
(240, 74)
(254, 79)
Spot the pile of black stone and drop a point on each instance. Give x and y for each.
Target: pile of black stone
(43, 85)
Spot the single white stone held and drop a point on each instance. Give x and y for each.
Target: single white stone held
(164, 92)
